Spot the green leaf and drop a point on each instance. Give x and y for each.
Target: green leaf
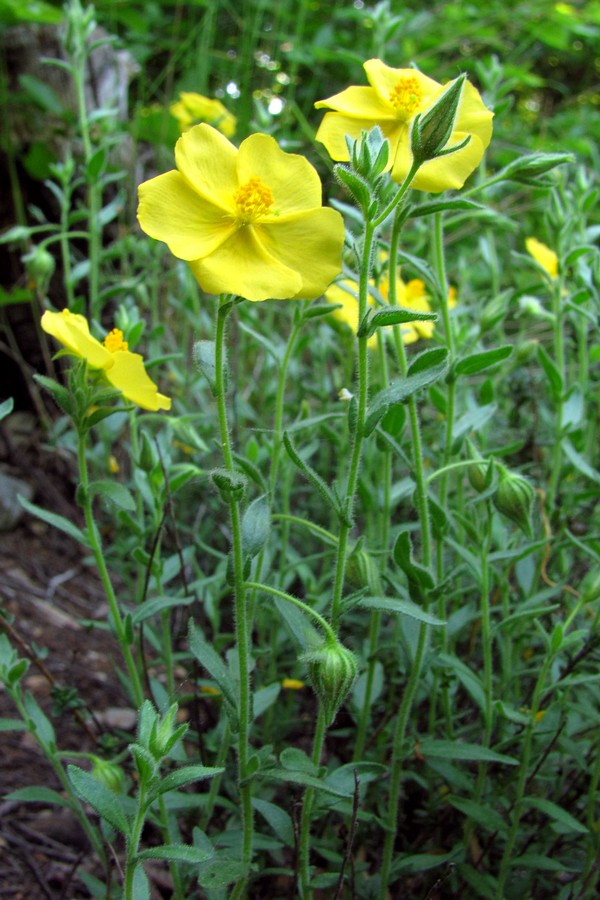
(277, 818)
(436, 206)
(311, 476)
(55, 520)
(557, 813)
(299, 625)
(12, 725)
(485, 816)
(464, 751)
(478, 362)
(141, 885)
(396, 315)
(265, 697)
(579, 462)
(179, 852)
(421, 862)
(204, 358)
(425, 369)
(39, 795)
(212, 662)
(158, 604)
(400, 607)
(303, 778)
(107, 803)
(114, 492)
(185, 775)
(552, 373)
(256, 525)
(416, 574)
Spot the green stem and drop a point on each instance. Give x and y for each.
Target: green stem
(559, 359)
(97, 552)
(523, 773)
(486, 639)
(133, 841)
(305, 820)
(239, 592)
(282, 595)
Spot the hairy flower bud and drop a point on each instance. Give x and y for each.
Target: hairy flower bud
(39, 266)
(109, 774)
(513, 498)
(433, 129)
(332, 671)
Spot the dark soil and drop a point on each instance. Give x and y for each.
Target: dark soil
(46, 592)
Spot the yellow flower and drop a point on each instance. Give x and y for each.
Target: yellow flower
(123, 369)
(292, 684)
(192, 108)
(544, 256)
(412, 295)
(392, 101)
(248, 221)
(113, 465)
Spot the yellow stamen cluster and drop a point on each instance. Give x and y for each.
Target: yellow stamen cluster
(406, 97)
(114, 341)
(252, 200)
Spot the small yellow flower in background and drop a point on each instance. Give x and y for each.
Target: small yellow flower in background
(192, 108)
(540, 715)
(412, 295)
(123, 369)
(208, 689)
(544, 256)
(113, 465)
(393, 99)
(249, 221)
(292, 684)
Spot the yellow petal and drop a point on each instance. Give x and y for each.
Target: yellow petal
(473, 116)
(129, 376)
(207, 161)
(358, 103)
(543, 255)
(190, 225)
(384, 79)
(292, 180)
(311, 244)
(243, 266)
(73, 331)
(444, 173)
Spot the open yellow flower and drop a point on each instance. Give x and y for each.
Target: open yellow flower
(412, 295)
(249, 221)
(393, 99)
(543, 255)
(192, 108)
(123, 369)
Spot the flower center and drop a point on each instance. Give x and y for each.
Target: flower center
(406, 97)
(252, 200)
(114, 341)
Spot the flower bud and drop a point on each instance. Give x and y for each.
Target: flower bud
(514, 498)
(529, 169)
(479, 474)
(231, 485)
(109, 774)
(432, 130)
(332, 671)
(39, 267)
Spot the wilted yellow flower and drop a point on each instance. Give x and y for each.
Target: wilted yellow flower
(249, 221)
(123, 369)
(544, 256)
(412, 295)
(292, 684)
(192, 108)
(392, 101)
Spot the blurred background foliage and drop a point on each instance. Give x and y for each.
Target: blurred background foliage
(537, 62)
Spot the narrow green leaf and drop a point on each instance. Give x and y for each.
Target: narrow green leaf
(212, 662)
(466, 752)
(256, 525)
(107, 803)
(485, 816)
(6, 407)
(552, 373)
(287, 775)
(556, 812)
(400, 607)
(299, 625)
(397, 315)
(39, 795)
(179, 852)
(277, 818)
(158, 604)
(579, 462)
(478, 362)
(416, 574)
(55, 520)
(426, 368)
(115, 492)
(311, 475)
(185, 775)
